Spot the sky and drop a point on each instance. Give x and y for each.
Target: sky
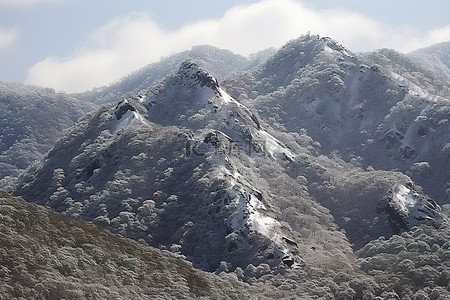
(77, 45)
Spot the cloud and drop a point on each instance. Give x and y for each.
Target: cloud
(8, 36)
(132, 41)
(23, 2)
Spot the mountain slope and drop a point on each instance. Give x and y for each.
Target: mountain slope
(164, 184)
(411, 69)
(31, 120)
(435, 57)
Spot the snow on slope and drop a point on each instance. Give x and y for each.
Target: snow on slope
(126, 116)
(194, 99)
(435, 57)
(414, 208)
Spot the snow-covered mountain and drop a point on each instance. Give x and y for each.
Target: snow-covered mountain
(181, 181)
(413, 69)
(34, 118)
(355, 108)
(187, 167)
(319, 173)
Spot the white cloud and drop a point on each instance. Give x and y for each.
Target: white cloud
(8, 36)
(130, 42)
(23, 2)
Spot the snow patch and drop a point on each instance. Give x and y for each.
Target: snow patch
(225, 97)
(415, 208)
(247, 213)
(263, 224)
(206, 94)
(274, 146)
(404, 198)
(129, 118)
(414, 89)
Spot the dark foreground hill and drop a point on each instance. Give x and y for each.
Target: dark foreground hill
(44, 255)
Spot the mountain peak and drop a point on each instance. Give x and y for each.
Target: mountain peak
(315, 44)
(192, 74)
(297, 55)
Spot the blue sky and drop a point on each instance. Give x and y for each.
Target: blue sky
(74, 45)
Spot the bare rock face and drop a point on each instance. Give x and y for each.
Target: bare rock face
(122, 108)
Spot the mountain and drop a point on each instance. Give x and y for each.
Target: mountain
(358, 110)
(48, 256)
(219, 62)
(31, 120)
(318, 173)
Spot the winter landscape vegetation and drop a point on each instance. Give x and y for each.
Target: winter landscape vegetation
(303, 172)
